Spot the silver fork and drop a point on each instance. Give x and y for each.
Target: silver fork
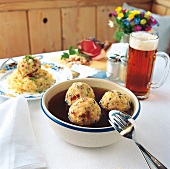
(120, 122)
(5, 62)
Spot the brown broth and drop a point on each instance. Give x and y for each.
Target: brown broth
(59, 108)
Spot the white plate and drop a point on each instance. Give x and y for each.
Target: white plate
(59, 72)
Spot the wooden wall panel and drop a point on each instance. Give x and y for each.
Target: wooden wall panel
(14, 39)
(44, 4)
(68, 22)
(104, 32)
(77, 24)
(161, 10)
(165, 3)
(85, 2)
(161, 7)
(145, 6)
(30, 5)
(45, 30)
(14, 1)
(168, 12)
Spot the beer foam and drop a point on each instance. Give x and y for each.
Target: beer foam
(143, 41)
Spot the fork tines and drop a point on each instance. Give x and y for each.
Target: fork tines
(119, 122)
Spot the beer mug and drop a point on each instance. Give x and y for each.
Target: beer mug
(141, 57)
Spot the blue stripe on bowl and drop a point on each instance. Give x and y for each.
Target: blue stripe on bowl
(137, 114)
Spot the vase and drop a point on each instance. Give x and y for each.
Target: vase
(125, 38)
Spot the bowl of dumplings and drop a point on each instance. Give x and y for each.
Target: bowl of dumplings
(77, 110)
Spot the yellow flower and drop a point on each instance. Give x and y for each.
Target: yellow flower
(138, 12)
(131, 16)
(118, 9)
(120, 16)
(147, 14)
(135, 12)
(142, 22)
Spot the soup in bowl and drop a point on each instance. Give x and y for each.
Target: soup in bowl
(64, 110)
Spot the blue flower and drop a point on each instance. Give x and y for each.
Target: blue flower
(126, 22)
(136, 21)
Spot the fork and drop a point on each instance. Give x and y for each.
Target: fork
(120, 122)
(4, 63)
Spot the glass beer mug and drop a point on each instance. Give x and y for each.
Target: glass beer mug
(141, 57)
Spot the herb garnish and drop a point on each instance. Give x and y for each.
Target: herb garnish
(65, 55)
(72, 51)
(33, 79)
(29, 57)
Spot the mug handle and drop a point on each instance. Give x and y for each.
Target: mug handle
(165, 56)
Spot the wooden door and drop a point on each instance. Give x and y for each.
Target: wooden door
(78, 24)
(45, 30)
(104, 32)
(14, 39)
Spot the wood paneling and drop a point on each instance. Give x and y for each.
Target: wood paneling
(77, 24)
(104, 32)
(110, 2)
(161, 7)
(14, 1)
(44, 4)
(165, 3)
(168, 12)
(80, 1)
(161, 10)
(145, 6)
(36, 5)
(53, 25)
(45, 30)
(14, 34)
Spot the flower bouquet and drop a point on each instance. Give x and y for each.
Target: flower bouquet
(126, 21)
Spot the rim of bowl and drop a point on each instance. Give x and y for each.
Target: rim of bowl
(82, 128)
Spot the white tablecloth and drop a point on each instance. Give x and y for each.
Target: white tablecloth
(153, 132)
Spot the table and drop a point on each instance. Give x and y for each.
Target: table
(154, 117)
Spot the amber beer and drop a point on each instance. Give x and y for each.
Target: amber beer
(142, 54)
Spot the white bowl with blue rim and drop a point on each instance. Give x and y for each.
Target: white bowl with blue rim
(80, 135)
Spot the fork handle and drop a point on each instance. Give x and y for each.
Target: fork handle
(156, 162)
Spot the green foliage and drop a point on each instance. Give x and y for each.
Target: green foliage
(64, 55)
(118, 35)
(72, 51)
(29, 57)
